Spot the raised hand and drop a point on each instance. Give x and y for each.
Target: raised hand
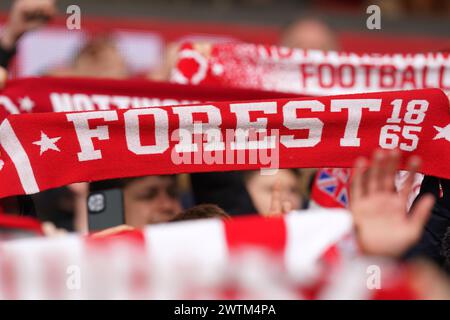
(277, 205)
(383, 225)
(26, 15)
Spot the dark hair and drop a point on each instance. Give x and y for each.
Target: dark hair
(445, 250)
(202, 211)
(117, 183)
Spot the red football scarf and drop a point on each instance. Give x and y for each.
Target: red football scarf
(41, 151)
(303, 255)
(311, 72)
(64, 95)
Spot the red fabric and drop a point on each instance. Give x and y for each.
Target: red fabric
(254, 231)
(311, 72)
(397, 285)
(12, 222)
(78, 94)
(54, 149)
(133, 237)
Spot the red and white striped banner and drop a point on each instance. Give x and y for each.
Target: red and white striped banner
(289, 257)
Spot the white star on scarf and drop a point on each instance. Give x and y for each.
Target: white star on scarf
(443, 133)
(26, 104)
(47, 143)
(1, 164)
(217, 69)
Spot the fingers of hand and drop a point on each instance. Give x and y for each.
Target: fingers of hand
(359, 185)
(375, 178)
(392, 163)
(276, 204)
(112, 231)
(421, 212)
(287, 206)
(413, 165)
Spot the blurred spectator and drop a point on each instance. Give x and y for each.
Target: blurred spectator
(24, 16)
(283, 185)
(309, 34)
(99, 58)
(147, 200)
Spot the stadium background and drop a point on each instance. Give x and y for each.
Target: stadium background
(143, 28)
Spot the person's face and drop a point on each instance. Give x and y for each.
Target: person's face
(103, 61)
(150, 200)
(310, 35)
(260, 189)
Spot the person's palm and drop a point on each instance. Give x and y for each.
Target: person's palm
(383, 225)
